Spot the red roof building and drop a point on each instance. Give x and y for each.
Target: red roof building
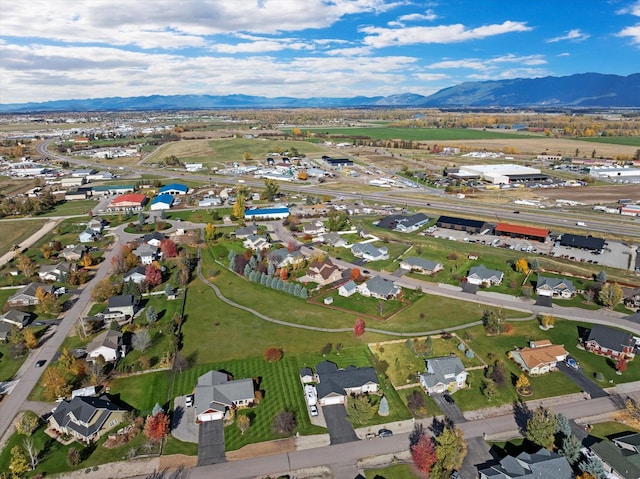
(129, 201)
(517, 231)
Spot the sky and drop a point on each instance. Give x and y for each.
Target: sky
(77, 49)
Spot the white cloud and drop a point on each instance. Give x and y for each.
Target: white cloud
(633, 9)
(574, 35)
(380, 37)
(632, 32)
(431, 76)
(428, 16)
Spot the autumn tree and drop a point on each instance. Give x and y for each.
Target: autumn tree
(156, 427)
(359, 327)
(621, 364)
(243, 422)
(210, 231)
(541, 427)
(360, 409)
(18, 464)
(30, 339)
(26, 265)
(87, 260)
(27, 423)
(104, 290)
(424, 454)
(46, 250)
(547, 320)
(239, 206)
(47, 303)
(355, 273)
(55, 384)
(169, 248)
(523, 384)
(522, 266)
(610, 295)
(272, 355)
(152, 276)
(271, 189)
(284, 423)
(451, 448)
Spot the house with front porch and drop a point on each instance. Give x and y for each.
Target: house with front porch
(483, 276)
(610, 342)
(27, 295)
(368, 252)
(444, 374)
(335, 384)
(216, 393)
(539, 358)
(555, 287)
(380, 288)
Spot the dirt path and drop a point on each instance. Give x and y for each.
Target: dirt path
(48, 226)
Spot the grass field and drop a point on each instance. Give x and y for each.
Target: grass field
(615, 140)
(16, 231)
(417, 134)
(70, 208)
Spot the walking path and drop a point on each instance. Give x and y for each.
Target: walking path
(46, 228)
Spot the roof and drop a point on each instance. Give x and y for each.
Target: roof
(609, 338)
(156, 235)
(417, 262)
(112, 187)
(395, 221)
(306, 372)
(439, 368)
(381, 286)
(15, 315)
(483, 272)
(622, 461)
(121, 300)
(129, 198)
(215, 391)
(554, 283)
(452, 220)
(108, 339)
(137, 270)
(349, 285)
(522, 230)
(85, 409)
(534, 357)
(584, 242)
(163, 198)
(266, 211)
(31, 288)
(174, 186)
(368, 248)
(542, 465)
(334, 380)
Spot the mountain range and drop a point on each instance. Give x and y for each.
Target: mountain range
(585, 90)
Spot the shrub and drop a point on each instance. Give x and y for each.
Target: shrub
(272, 355)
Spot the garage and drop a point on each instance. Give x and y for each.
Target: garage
(210, 415)
(331, 400)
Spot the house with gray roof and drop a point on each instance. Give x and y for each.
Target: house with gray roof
(137, 275)
(335, 384)
(17, 318)
(121, 308)
(369, 252)
(216, 393)
(483, 276)
(256, 242)
(56, 272)
(620, 458)
(281, 257)
(404, 223)
(333, 239)
(87, 236)
(444, 374)
(26, 296)
(86, 418)
(108, 344)
(147, 253)
(421, 265)
(380, 288)
(543, 464)
(246, 231)
(347, 289)
(555, 287)
(610, 342)
(74, 253)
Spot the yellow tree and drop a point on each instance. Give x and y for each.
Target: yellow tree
(87, 260)
(210, 231)
(55, 384)
(522, 266)
(523, 382)
(46, 250)
(547, 321)
(30, 339)
(26, 265)
(239, 207)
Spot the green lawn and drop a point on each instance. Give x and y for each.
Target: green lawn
(397, 471)
(69, 208)
(142, 391)
(418, 134)
(608, 429)
(15, 232)
(363, 305)
(8, 364)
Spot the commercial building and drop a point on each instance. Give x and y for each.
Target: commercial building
(463, 224)
(518, 231)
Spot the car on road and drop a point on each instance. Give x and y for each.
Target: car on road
(449, 399)
(188, 400)
(40, 363)
(314, 411)
(385, 433)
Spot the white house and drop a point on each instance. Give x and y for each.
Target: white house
(540, 357)
(378, 287)
(555, 287)
(256, 242)
(347, 289)
(108, 345)
(444, 374)
(421, 265)
(369, 252)
(147, 253)
(216, 393)
(483, 276)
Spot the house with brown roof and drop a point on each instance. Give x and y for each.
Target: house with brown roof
(539, 358)
(324, 272)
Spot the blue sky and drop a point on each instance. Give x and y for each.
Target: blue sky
(66, 49)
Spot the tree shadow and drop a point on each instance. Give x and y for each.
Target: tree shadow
(521, 414)
(438, 426)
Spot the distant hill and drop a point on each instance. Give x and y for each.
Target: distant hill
(581, 90)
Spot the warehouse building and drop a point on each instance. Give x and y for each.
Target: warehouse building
(526, 232)
(463, 224)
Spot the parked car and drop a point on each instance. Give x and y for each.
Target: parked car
(188, 401)
(40, 363)
(385, 433)
(572, 363)
(449, 399)
(314, 411)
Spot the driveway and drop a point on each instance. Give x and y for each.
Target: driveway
(582, 381)
(452, 411)
(183, 425)
(478, 456)
(340, 429)
(211, 443)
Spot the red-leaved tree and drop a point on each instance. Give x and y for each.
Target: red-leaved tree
(272, 355)
(621, 365)
(168, 248)
(424, 454)
(355, 273)
(358, 327)
(156, 427)
(152, 276)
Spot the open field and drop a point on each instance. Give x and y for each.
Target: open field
(417, 134)
(16, 231)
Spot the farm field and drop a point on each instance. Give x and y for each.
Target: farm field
(16, 231)
(417, 134)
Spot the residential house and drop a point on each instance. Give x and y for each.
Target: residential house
(421, 265)
(632, 299)
(555, 287)
(87, 236)
(347, 289)
(313, 228)
(161, 202)
(307, 376)
(334, 384)
(380, 288)
(13, 317)
(26, 296)
(404, 224)
(246, 231)
(147, 253)
(137, 275)
(154, 238)
(121, 308)
(610, 342)
(368, 252)
(620, 458)
(540, 357)
(86, 418)
(73, 253)
(56, 272)
(444, 374)
(96, 224)
(256, 242)
(108, 344)
(5, 331)
(282, 257)
(333, 239)
(174, 189)
(483, 276)
(543, 464)
(216, 393)
(324, 272)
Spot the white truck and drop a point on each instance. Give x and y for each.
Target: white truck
(581, 223)
(311, 395)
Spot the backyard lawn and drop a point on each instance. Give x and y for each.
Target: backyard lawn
(398, 471)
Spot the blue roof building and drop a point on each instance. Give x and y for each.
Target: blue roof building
(174, 189)
(267, 213)
(162, 202)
